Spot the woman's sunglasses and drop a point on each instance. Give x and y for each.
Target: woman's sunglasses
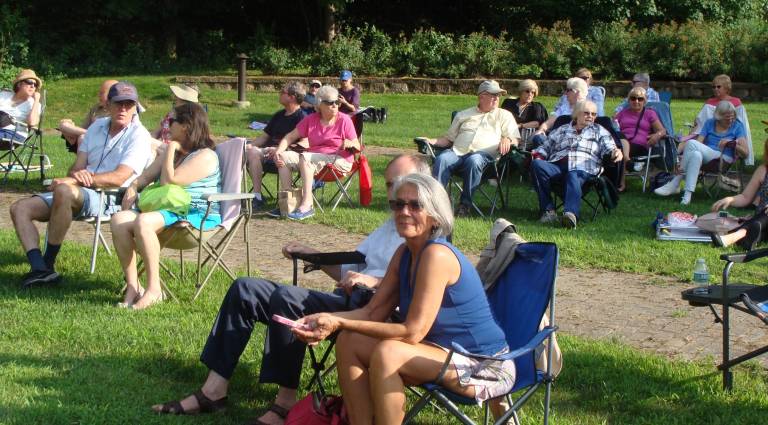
(32, 83)
(331, 102)
(637, 99)
(399, 205)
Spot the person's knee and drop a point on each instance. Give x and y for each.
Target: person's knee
(144, 223)
(477, 162)
(65, 193)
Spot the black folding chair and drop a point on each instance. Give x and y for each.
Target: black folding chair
(747, 298)
(18, 154)
(314, 262)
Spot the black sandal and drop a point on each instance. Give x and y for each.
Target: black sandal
(204, 405)
(717, 240)
(280, 411)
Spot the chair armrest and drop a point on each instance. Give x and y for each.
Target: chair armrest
(427, 149)
(217, 197)
(527, 348)
(110, 190)
(332, 258)
(745, 257)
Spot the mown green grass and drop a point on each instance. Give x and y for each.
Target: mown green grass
(68, 356)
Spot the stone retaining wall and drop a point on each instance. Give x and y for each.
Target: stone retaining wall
(680, 90)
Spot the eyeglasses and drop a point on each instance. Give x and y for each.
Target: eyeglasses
(590, 114)
(171, 120)
(584, 77)
(494, 95)
(717, 87)
(32, 83)
(317, 86)
(400, 204)
(637, 99)
(331, 102)
(124, 104)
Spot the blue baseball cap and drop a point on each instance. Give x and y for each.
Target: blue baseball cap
(121, 91)
(345, 75)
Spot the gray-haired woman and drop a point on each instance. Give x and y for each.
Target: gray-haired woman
(376, 358)
(711, 142)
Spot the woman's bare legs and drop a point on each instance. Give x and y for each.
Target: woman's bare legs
(373, 375)
(122, 224)
(307, 178)
(148, 246)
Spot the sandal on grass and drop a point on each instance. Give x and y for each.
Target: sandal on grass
(280, 411)
(204, 405)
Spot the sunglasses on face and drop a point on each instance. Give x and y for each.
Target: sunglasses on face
(400, 204)
(637, 99)
(330, 102)
(32, 83)
(317, 86)
(717, 87)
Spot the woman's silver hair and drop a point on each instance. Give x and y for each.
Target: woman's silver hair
(637, 92)
(579, 85)
(327, 93)
(724, 107)
(642, 76)
(528, 85)
(433, 199)
(579, 107)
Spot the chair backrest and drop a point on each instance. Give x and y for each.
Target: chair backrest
(357, 120)
(520, 297)
(231, 163)
(665, 96)
(664, 112)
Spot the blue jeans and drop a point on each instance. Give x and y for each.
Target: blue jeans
(545, 173)
(470, 166)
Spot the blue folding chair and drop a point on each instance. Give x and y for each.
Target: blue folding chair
(518, 300)
(665, 96)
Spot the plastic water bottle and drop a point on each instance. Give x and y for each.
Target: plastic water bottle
(701, 277)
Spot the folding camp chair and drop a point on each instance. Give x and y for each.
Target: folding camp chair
(721, 174)
(747, 298)
(662, 153)
(235, 209)
(314, 262)
(19, 154)
(518, 299)
(343, 181)
(665, 96)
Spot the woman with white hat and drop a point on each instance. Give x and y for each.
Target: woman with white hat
(181, 94)
(23, 105)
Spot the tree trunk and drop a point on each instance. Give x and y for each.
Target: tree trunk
(329, 21)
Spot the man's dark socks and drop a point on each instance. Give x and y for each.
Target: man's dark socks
(51, 251)
(35, 258)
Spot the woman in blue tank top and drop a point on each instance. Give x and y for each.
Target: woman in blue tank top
(441, 299)
(188, 160)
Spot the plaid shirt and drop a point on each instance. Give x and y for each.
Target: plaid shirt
(585, 149)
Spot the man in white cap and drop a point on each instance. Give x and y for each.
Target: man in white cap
(477, 137)
(115, 150)
(310, 97)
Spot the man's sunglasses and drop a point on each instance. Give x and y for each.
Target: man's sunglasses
(399, 205)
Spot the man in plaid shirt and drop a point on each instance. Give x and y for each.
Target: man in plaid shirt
(571, 153)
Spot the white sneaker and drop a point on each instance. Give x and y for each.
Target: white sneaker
(637, 166)
(686, 199)
(548, 217)
(671, 188)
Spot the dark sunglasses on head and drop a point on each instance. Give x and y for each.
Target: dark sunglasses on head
(399, 205)
(331, 102)
(637, 99)
(32, 83)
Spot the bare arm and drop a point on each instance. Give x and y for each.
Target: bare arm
(190, 171)
(658, 133)
(34, 115)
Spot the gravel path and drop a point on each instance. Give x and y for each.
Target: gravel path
(643, 311)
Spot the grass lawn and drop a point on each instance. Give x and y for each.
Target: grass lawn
(67, 356)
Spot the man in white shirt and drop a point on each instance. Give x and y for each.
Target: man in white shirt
(477, 137)
(115, 150)
(251, 300)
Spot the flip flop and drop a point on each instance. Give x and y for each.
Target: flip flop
(280, 411)
(204, 405)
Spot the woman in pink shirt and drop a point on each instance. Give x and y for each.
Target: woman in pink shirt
(640, 127)
(332, 140)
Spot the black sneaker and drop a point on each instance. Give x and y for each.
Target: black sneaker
(38, 277)
(257, 204)
(382, 115)
(463, 210)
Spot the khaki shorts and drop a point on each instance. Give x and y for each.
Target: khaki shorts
(318, 160)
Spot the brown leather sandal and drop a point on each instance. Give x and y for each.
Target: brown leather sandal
(280, 411)
(204, 405)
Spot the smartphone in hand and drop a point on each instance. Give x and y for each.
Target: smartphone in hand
(290, 323)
